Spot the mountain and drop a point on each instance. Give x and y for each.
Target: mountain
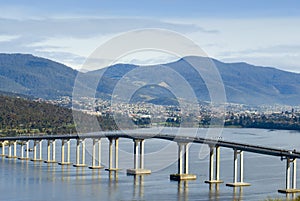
(244, 83)
(35, 76)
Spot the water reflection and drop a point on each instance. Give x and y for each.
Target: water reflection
(291, 196)
(182, 190)
(65, 173)
(96, 174)
(51, 168)
(138, 186)
(237, 193)
(25, 171)
(80, 174)
(214, 192)
(37, 173)
(113, 183)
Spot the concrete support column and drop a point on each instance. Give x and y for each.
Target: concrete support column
(83, 151)
(34, 150)
(235, 164)
(288, 173)
(27, 150)
(41, 148)
(186, 159)
(94, 153)
(22, 150)
(35, 143)
(214, 165)
(294, 185)
(180, 159)
(48, 150)
(77, 151)
(63, 162)
(113, 158)
(62, 151)
(15, 149)
(51, 153)
(78, 163)
(9, 149)
(96, 142)
(290, 179)
(237, 182)
(110, 153)
(135, 154)
(68, 151)
(183, 163)
(117, 153)
(142, 153)
(138, 159)
(241, 166)
(99, 153)
(218, 164)
(3, 149)
(211, 163)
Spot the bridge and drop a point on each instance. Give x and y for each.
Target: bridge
(182, 141)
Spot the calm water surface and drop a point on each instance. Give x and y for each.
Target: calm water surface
(26, 180)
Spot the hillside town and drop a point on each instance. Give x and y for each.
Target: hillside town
(190, 115)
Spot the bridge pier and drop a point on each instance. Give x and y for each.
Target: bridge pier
(214, 177)
(139, 153)
(22, 151)
(51, 143)
(35, 159)
(116, 157)
(183, 162)
(3, 148)
(63, 162)
(78, 164)
(235, 182)
(98, 143)
(290, 180)
(9, 150)
(15, 149)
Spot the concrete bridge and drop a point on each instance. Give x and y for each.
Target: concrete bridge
(183, 142)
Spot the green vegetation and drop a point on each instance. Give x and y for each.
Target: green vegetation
(22, 116)
(288, 120)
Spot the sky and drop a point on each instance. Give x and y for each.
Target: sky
(264, 33)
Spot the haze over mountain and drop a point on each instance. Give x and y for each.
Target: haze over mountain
(244, 83)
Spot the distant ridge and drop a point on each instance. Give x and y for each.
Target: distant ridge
(244, 83)
(35, 76)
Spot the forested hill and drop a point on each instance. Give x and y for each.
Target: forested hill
(23, 116)
(244, 83)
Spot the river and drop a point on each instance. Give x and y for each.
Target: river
(35, 181)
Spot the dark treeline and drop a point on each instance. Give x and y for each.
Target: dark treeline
(283, 122)
(22, 116)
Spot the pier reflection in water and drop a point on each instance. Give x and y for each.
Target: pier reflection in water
(214, 192)
(182, 190)
(138, 186)
(47, 181)
(237, 193)
(113, 184)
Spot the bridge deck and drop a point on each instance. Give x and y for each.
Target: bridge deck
(170, 137)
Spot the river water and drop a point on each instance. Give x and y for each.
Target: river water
(26, 180)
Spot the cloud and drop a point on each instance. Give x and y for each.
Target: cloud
(76, 37)
(285, 57)
(7, 38)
